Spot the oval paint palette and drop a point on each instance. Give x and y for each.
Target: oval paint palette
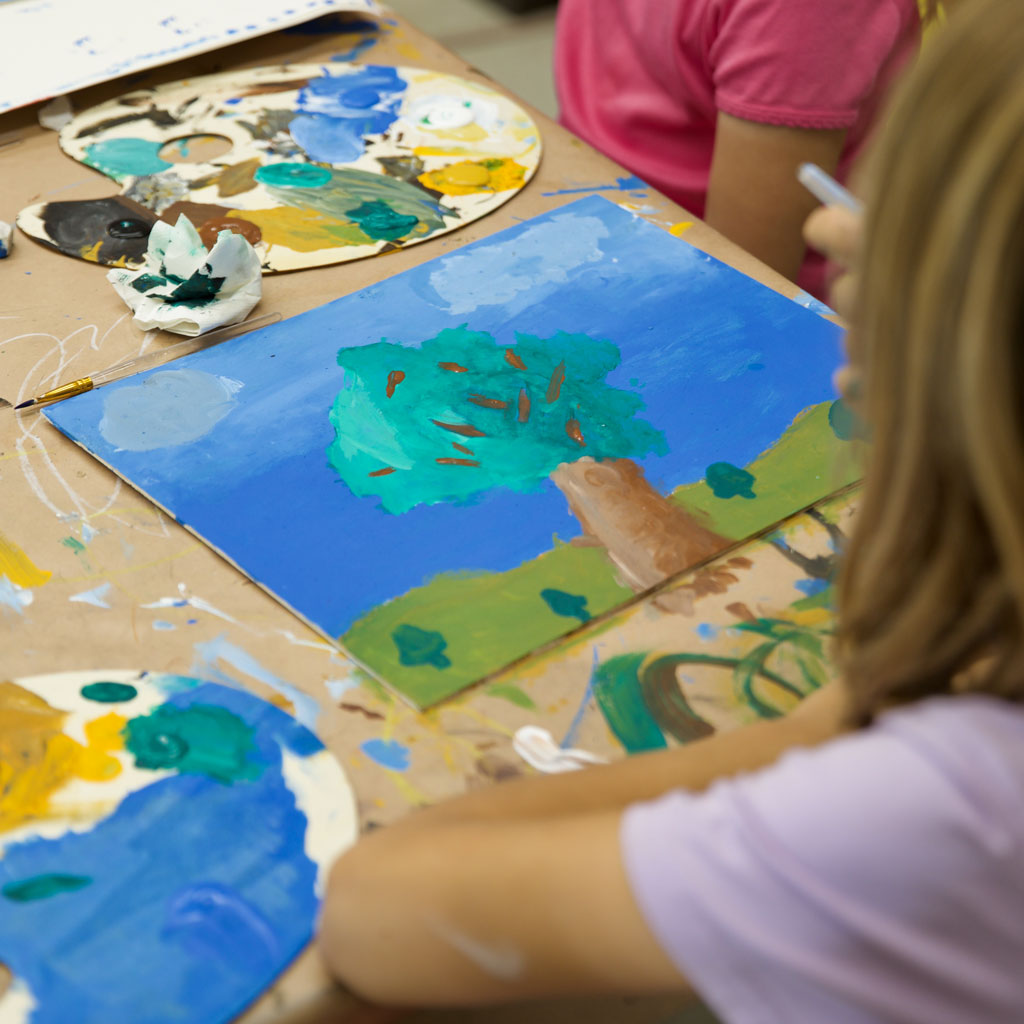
(163, 846)
(314, 164)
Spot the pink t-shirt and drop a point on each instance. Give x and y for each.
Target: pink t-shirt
(876, 880)
(644, 80)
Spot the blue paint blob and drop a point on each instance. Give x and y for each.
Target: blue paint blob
(170, 408)
(387, 753)
(122, 158)
(293, 175)
(201, 892)
(810, 587)
(163, 625)
(706, 631)
(336, 112)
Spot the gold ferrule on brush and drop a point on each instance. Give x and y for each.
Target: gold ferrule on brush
(69, 390)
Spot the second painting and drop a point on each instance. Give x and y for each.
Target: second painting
(462, 463)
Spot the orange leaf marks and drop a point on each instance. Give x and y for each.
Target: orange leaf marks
(453, 367)
(458, 462)
(488, 403)
(513, 360)
(383, 472)
(460, 428)
(462, 448)
(524, 406)
(572, 428)
(395, 377)
(557, 376)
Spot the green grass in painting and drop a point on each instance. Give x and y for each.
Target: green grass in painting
(487, 620)
(807, 463)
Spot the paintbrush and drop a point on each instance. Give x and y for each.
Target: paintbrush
(133, 366)
(826, 189)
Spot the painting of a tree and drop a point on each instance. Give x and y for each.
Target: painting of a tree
(460, 415)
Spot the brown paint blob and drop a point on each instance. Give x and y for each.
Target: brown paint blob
(513, 360)
(555, 387)
(488, 403)
(395, 377)
(460, 428)
(458, 462)
(210, 229)
(382, 472)
(572, 428)
(453, 367)
(524, 406)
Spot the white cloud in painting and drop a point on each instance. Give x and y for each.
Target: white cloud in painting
(542, 255)
(169, 408)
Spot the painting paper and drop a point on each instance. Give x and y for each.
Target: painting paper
(472, 458)
(61, 45)
(163, 846)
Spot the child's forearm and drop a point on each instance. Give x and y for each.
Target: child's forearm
(645, 777)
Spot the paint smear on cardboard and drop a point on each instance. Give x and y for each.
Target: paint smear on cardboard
(18, 567)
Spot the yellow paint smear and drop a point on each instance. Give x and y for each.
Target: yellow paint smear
(680, 228)
(37, 758)
(18, 567)
(90, 252)
(469, 176)
(302, 229)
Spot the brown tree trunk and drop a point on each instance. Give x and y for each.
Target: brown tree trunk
(647, 537)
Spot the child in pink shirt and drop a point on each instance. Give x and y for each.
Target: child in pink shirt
(715, 102)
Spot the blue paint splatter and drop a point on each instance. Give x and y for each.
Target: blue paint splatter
(170, 408)
(96, 597)
(337, 111)
(387, 753)
(810, 587)
(706, 631)
(627, 184)
(163, 624)
(204, 919)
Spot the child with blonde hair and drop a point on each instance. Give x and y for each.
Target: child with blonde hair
(862, 859)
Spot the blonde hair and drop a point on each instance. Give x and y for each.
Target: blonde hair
(932, 593)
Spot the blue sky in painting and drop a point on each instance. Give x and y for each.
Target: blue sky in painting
(722, 363)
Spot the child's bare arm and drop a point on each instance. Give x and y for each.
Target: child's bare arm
(754, 198)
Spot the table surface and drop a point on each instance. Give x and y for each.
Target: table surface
(82, 527)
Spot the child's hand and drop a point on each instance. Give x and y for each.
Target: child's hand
(836, 233)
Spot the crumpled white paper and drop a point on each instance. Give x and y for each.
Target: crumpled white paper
(184, 287)
(6, 239)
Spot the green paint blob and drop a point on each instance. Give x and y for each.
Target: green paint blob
(75, 545)
(571, 606)
(729, 481)
(199, 290)
(109, 693)
(506, 691)
(42, 887)
(620, 697)
(379, 221)
(200, 739)
(123, 158)
(420, 646)
(499, 443)
(845, 423)
(293, 175)
(146, 281)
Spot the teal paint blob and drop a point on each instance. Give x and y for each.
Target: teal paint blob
(123, 158)
(109, 693)
(378, 220)
(845, 423)
(408, 440)
(420, 646)
(729, 481)
(202, 739)
(571, 606)
(293, 175)
(42, 887)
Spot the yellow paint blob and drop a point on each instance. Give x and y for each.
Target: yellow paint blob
(469, 176)
(18, 567)
(680, 228)
(90, 252)
(303, 229)
(37, 758)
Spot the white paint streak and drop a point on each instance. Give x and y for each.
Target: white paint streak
(497, 961)
(13, 596)
(537, 747)
(96, 596)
